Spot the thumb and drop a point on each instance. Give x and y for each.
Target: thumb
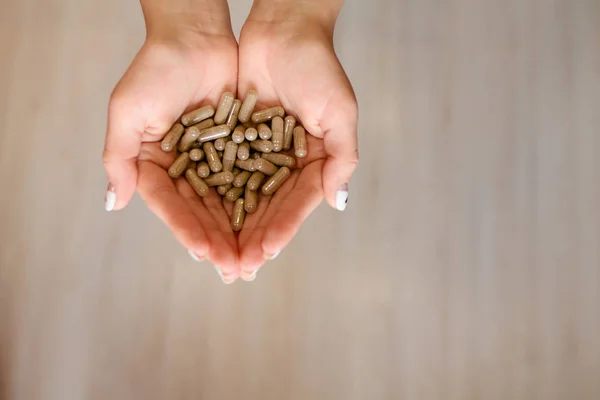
(121, 149)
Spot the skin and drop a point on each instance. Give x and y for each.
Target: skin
(189, 59)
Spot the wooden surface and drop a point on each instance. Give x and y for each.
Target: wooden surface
(466, 266)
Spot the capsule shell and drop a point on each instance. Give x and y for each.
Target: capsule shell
(216, 132)
(277, 137)
(246, 165)
(264, 132)
(221, 178)
(237, 136)
(224, 108)
(199, 186)
(179, 166)
(265, 167)
(251, 134)
(250, 201)
(229, 156)
(268, 114)
(223, 189)
(288, 132)
(196, 154)
(212, 158)
(248, 106)
(207, 123)
(169, 143)
(203, 170)
(264, 146)
(189, 138)
(280, 160)
(300, 145)
(238, 216)
(196, 116)
(234, 193)
(220, 143)
(275, 182)
(244, 151)
(255, 180)
(242, 178)
(232, 118)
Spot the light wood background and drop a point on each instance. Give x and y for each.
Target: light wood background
(467, 265)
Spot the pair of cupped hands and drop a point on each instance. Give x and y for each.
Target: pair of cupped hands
(180, 68)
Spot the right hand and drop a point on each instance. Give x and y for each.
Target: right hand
(168, 77)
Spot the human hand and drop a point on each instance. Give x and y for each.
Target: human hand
(181, 66)
(292, 62)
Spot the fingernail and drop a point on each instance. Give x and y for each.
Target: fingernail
(195, 257)
(271, 257)
(341, 197)
(251, 277)
(110, 199)
(226, 280)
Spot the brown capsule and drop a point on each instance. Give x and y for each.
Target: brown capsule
(223, 189)
(179, 166)
(250, 200)
(216, 132)
(280, 160)
(207, 123)
(203, 169)
(264, 131)
(199, 186)
(232, 118)
(236, 171)
(234, 193)
(268, 114)
(191, 165)
(220, 143)
(249, 124)
(221, 178)
(265, 167)
(238, 216)
(196, 154)
(212, 158)
(188, 139)
(251, 134)
(248, 106)
(263, 146)
(196, 116)
(277, 129)
(275, 182)
(229, 156)
(238, 136)
(288, 129)
(246, 165)
(300, 146)
(172, 137)
(242, 178)
(244, 151)
(255, 180)
(224, 108)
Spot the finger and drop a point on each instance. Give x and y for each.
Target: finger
(159, 192)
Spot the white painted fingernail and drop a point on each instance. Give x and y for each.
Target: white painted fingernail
(194, 256)
(271, 256)
(225, 281)
(341, 197)
(110, 199)
(251, 277)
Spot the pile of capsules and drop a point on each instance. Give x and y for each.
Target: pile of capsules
(237, 150)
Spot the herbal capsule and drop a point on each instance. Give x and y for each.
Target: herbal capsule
(238, 216)
(220, 143)
(268, 114)
(203, 170)
(250, 200)
(221, 178)
(212, 158)
(264, 131)
(277, 129)
(275, 182)
(241, 179)
(238, 135)
(232, 118)
(207, 123)
(251, 134)
(249, 124)
(265, 167)
(236, 172)
(199, 186)
(255, 180)
(223, 189)
(224, 108)
(179, 166)
(300, 148)
(172, 137)
(234, 193)
(262, 145)
(196, 154)
(280, 160)
(188, 139)
(246, 165)
(229, 156)
(288, 129)
(248, 106)
(196, 116)
(216, 132)
(244, 151)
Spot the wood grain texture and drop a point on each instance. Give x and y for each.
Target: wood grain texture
(466, 266)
